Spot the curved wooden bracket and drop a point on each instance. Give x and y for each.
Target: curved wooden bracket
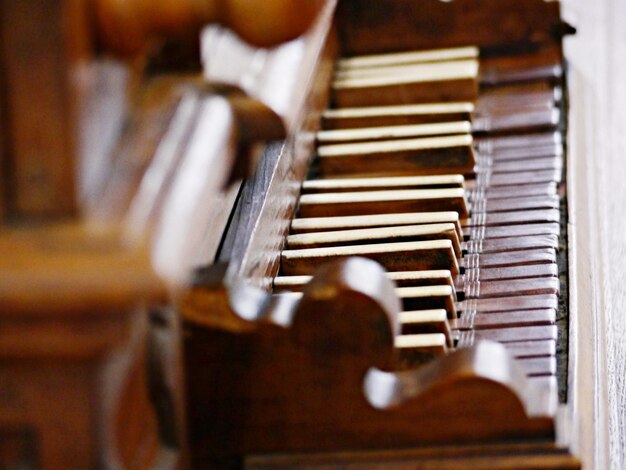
(479, 388)
(316, 372)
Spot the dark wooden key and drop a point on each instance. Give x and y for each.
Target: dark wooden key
(509, 272)
(483, 321)
(509, 258)
(510, 287)
(487, 178)
(429, 83)
(517, 166)
(383, 202)
(538, 118)
(505, 231)
(524, 153)
(400, 115)
(507, 304)
(495, 144)
(403, 233)
(512, 218)
(499, 245)
(428, 298)
(336, 185)
(493, 76)
(401, 157)
(508, 335)
(409, 256)
(371, 134)
(505, 192)
(515, 96)
(323, 224)
(514, 204)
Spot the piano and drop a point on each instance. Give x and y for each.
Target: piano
(418, 275)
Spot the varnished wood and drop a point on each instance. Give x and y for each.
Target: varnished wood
(363, 32)
(379, 235)
(535, 293)
(425, 156)
(251, 354)
(431, 87)
(347, 118)
(383, 202)
(428, 297)
(310, 335)
(316, 224)
(401, 256)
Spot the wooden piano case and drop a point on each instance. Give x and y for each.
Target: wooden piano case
(312, 381)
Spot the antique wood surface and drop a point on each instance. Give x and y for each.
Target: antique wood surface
(325, 344)
(597, 168)
(365, 24)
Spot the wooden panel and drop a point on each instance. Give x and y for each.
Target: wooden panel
(597, 72)
(366, 24)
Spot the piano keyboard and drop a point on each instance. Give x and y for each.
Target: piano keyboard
(451, 181)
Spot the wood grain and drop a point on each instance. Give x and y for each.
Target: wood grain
(596, 172)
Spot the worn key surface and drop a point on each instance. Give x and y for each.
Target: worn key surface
(407, 256)
(392, 182)
(426, 83)
(482, 321)
(320, 224)
(420, 156)
(383, 202)
(394, 132)
(409, 57)
(403, 233)
(428, 297)
(399, 115)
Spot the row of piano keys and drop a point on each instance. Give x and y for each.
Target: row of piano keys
(464, 214)
(445, 168)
